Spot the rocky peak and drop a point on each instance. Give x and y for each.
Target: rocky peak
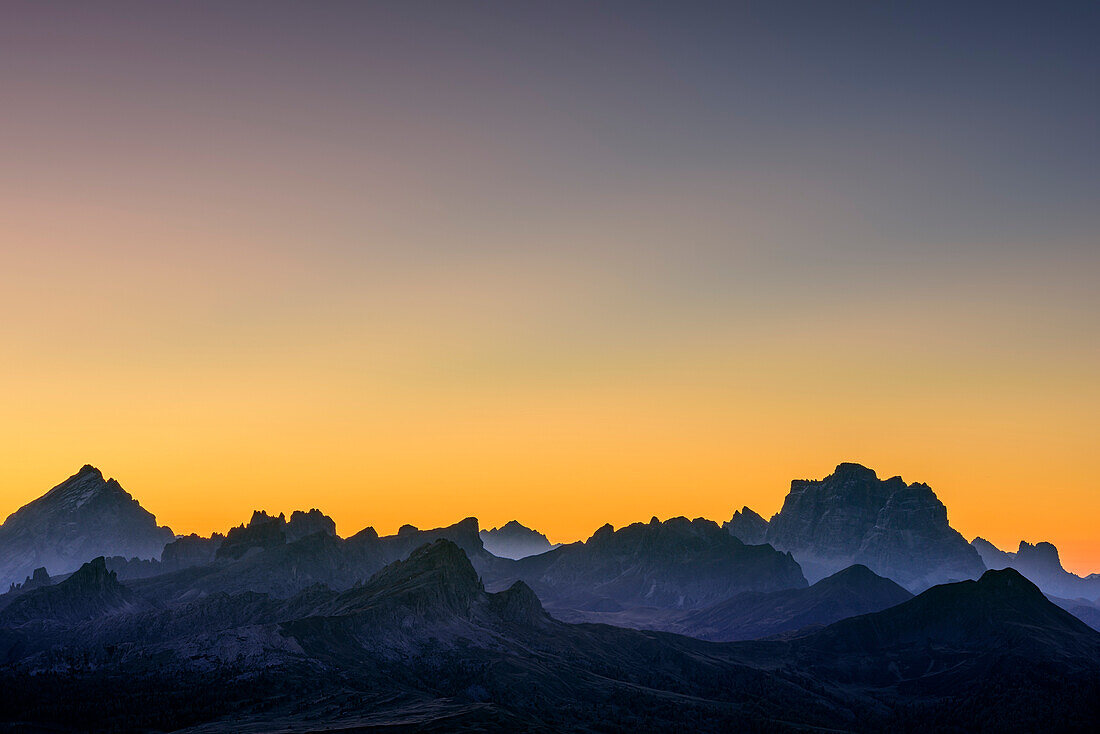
(899, 530)
(91, 591)
(514, 540)
(40, 577)
(1042, 555)
(1041, 564)
(435, 578)
(307, 523)
(87, 485)
(851, 472)
(747, 526)
(93, 575)
(262, 531)
(83, 517)
(992, 556)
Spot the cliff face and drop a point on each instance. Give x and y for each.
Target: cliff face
(897, 530)
(83, 517)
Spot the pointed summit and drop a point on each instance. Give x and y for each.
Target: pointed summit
(747, 526)
(514, 540)
(83, 517)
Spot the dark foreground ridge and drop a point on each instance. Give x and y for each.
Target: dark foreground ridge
(281, 624)
(422, 645)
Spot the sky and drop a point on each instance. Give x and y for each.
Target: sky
(568, 263)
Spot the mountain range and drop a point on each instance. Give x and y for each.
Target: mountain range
(282, 624)
(422, 645)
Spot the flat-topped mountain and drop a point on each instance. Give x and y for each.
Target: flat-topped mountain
(513, 540)
(1040, 563)
(83, 517)
(897, 530)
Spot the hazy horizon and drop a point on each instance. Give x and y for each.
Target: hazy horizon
(571, 264)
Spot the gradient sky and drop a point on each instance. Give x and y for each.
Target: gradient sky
(570, 263)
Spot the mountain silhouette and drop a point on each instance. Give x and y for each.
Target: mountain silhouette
(753, 614)
(515, 541)
(675, 564)
(747, 526)
(283, 625)
(897, 530)
(83, 517)
(951, 628)
(422, 645)
(1040, 564)
(90, 592)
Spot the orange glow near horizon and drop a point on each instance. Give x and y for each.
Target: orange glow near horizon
(203, 442)
(558, 263)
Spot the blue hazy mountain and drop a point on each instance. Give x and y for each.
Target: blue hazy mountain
(1040, 563)
(514, 540)
(83, 517)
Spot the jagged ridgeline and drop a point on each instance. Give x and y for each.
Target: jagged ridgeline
(281, 624)
(423, 645)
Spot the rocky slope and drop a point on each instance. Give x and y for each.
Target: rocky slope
(83, 517)
(897, 530)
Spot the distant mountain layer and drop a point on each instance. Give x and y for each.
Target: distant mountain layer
(422, 645)
(513, 540)
(897, 530)
(747, 526)
(675, 564)
(754, 614)
(83, 517)
(1040, 563)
